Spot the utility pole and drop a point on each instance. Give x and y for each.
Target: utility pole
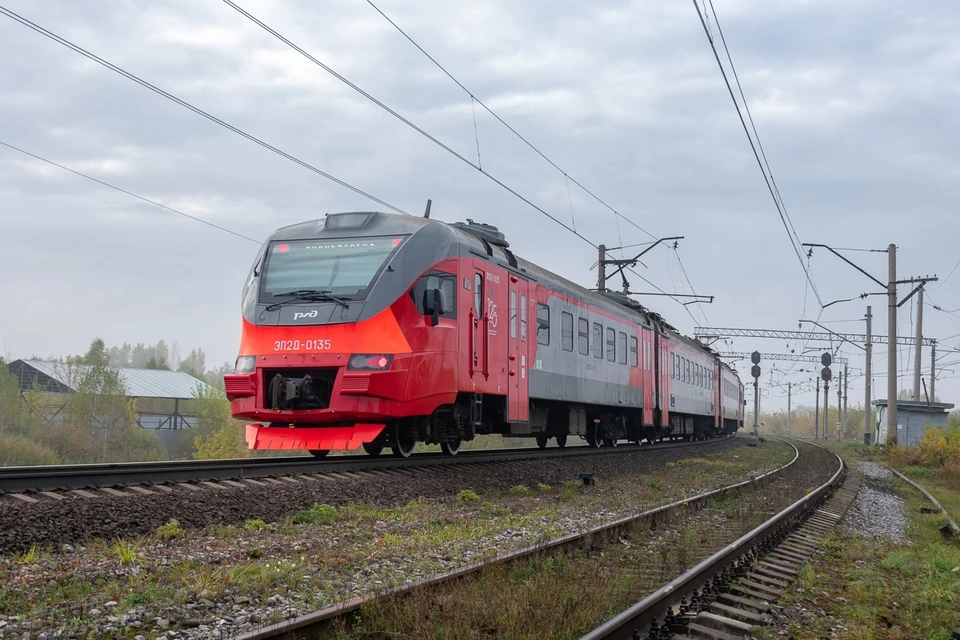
(816, 413)
(933, 372)
(789, 385)
(917, 351)
(892, 346)
(846, 396)
(867, 422)
(602, 269)
(839, 404)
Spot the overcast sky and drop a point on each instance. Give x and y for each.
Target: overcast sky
(857, 104)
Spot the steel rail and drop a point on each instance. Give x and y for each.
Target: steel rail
(637, 621)
(122, 474)
(312, 624)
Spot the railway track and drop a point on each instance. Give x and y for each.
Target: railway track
(31, 484)
(726, 595)
(326, 622)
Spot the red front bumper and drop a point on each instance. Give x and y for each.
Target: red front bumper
(259, 436)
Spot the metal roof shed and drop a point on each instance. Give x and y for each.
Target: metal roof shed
(913, 419)
(58, 377)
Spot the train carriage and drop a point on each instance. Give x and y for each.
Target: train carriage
(376, 329)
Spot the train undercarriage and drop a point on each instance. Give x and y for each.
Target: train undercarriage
(451, 425)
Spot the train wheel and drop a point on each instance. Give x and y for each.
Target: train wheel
(319, 453)
(542, 440)
(592, 440)
(403, 444)
(450, 448)
(373, 448)
(562, 441)
(610, 441)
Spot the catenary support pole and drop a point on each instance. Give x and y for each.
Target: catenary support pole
(933, 372)
(846, 396)
(602, 269)
(816, 412)
(789, 388)
(918, 351)
(839, 404)
(892, 346)
(867, 408)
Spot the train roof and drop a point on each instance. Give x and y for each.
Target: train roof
(484, 240)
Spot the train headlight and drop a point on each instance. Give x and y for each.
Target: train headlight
(245, 364)
(366, 362)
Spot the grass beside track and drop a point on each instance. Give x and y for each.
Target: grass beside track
(563, 594)
(325, 555)
(869, 588)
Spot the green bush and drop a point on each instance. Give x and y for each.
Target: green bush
(19, 451)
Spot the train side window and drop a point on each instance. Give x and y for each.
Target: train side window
(478, 294)
(513, 315)
(676, 367)
(543, 324)
(622, 347)
(597, 340)
(633, 351)
(566, 331)
(583, 336)
(523, 318)
(611, 344)
(686, 370)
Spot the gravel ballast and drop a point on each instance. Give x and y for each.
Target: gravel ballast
(215, 582)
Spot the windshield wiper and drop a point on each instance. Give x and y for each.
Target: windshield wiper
(314, 295)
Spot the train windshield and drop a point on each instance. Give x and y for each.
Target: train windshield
(344, 267)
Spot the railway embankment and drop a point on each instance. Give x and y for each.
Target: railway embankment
(285, 550)
(890, 570)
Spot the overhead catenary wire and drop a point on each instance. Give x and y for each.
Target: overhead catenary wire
(505, 124)
(433, 139)
(767, 174)
(130, 76)
(129, 193)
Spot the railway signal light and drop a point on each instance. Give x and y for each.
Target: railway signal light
(825, 374)
(825, 359)
(755, 357)
(755, 371)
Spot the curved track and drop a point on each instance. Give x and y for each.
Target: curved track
(25, 480)
(701, 603)
(319, 623)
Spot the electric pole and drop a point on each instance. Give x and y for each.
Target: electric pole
(933, 371)
(789, 385)
(866, 406)
(839, 404)
(816, 413)
(892, 346)
(602, 269)
(918, 352)
(846, 396)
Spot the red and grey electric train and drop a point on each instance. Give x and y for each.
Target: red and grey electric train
(378, 329)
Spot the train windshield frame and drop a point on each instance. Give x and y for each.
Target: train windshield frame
(343, 267)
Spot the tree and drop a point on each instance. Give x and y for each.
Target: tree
(194, 364)
(97, 354)
(218, 434)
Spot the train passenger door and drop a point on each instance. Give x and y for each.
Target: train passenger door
(648, 374)
(518, 399)
(479, 332)
(663, 388)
